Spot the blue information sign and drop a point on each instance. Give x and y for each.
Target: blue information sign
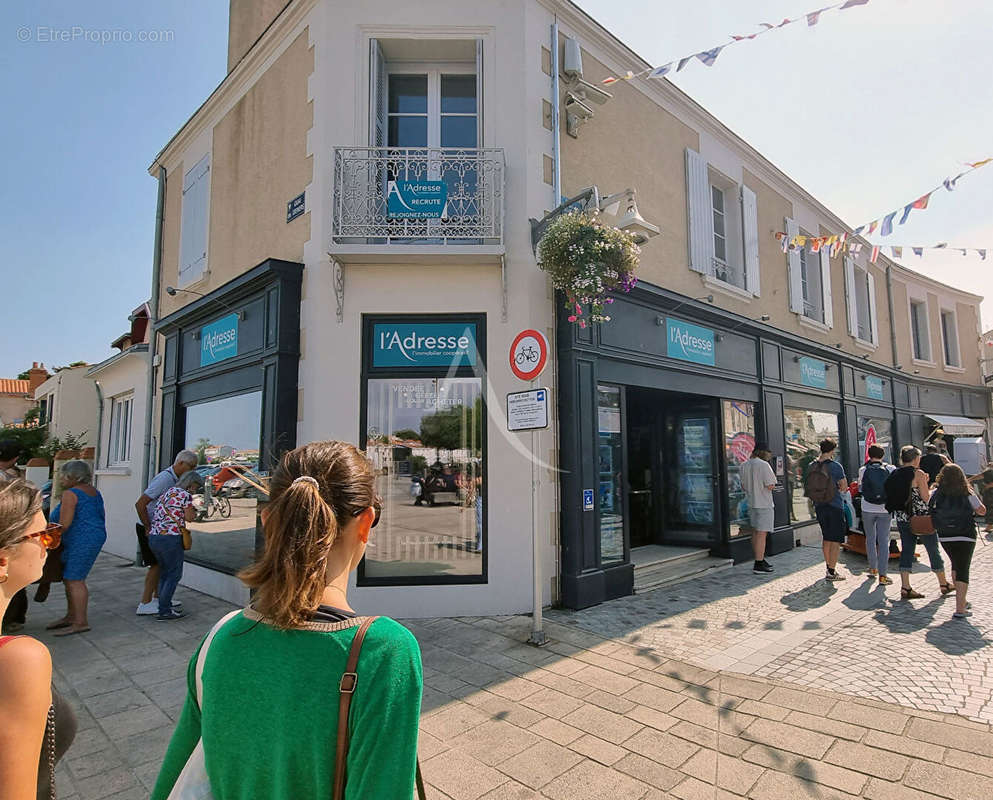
(587, 499)
(813, 373)
(416, 199)
(874, 387)
(219, 340)
(424, 344)
(689, 342)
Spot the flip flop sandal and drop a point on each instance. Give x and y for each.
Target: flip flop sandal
(71, 631)
(62, 623)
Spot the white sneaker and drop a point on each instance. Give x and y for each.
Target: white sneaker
(151, 608)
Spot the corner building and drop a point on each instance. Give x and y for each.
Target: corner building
(317, 292)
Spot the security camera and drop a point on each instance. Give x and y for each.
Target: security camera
(576, 113)
(590, 91)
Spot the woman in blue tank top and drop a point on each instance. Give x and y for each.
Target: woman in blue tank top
(84, 531)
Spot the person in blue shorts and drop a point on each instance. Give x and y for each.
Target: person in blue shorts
(84, 531)
(825, 481)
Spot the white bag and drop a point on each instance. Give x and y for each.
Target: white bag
(193, 783)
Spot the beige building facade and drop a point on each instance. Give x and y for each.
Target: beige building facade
(67, 404)
(300, 295)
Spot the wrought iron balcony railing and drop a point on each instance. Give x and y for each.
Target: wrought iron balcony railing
(473, 177)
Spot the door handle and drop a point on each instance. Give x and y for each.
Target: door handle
(639, 491)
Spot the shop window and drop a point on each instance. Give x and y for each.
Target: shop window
(425, 435)
(610, 477)
(119, 449)
(878, 431)
(804, 432)
(739, 441)
(950, 339)
(225, 435)
(919, 330)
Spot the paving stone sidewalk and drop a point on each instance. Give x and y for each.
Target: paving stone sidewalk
(854, 636)
(584, 717)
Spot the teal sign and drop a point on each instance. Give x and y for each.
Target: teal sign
(424, 344)
(813, 373)
(873, 387)
(689, 342)
(219, 340)
(416, 199)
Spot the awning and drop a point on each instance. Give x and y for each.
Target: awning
(959, 426)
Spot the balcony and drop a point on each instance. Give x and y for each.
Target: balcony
(471, 226)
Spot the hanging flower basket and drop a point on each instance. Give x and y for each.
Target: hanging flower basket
(587, 260)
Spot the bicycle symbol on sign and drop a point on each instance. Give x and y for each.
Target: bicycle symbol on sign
(528, 354)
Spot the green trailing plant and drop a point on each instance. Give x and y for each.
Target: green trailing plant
(587, 260)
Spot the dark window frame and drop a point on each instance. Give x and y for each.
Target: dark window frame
(368, 371)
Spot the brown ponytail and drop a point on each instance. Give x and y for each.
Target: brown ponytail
(313, 494)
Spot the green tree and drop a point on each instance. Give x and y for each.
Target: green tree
(23, 376)
(443, 430)
(52, 445)
(201, 448)
(406, 433)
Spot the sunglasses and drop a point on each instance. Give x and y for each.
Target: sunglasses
(377, 505)
(49, 538)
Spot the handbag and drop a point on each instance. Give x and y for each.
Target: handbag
(184, 532)
(920, 524)
(346, 687)
(193, 783)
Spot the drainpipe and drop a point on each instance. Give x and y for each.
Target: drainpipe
(96, 449)
(889, 302)
(153, 318)
(556, 136)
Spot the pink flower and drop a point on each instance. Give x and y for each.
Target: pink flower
(572, 318)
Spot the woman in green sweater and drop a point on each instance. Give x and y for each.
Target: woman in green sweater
(269, 711)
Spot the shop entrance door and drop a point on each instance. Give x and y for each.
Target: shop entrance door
(673, 468)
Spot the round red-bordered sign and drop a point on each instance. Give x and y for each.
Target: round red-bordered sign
(528, 354)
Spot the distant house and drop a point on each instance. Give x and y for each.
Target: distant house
(17, 395)
(122, 386)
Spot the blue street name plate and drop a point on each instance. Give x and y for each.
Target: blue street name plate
(416, 199)
(219, 340)
(295, 207)
(689, 342)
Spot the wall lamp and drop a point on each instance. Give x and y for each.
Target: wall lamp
(171, 291)
(589, 200)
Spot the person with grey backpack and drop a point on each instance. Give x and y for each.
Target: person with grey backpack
(824, 483)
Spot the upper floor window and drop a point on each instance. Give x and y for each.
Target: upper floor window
(119, 450)
(810, 280)
(950, 339)
(723, 219)
(920, 335)
(434, 108)
(860, 294)
(193, 233)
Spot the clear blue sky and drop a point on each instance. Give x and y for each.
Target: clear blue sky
(866, 110)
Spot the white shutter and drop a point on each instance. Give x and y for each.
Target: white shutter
(850, 298)
(873, 322)
(796, 279)
(700, 214)
(193, 230)
(750, 234)
(826, 286)
(377, 95)
(479, 92)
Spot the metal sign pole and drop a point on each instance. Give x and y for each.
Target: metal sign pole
(537, 633)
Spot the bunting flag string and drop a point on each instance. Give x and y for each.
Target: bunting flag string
(839, 242)
(709, 56)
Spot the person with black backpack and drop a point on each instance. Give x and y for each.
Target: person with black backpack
(875, 518)
(954, 508)
(823, 484)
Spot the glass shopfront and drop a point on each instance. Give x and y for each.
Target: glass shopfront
(225, 435)
(804, 432)
(424, 429)
(739, 441)
(875, 430)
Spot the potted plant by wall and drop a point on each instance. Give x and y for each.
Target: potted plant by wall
(587, 260)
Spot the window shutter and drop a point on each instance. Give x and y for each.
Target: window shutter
(193, 233)
(826, 287)
(796, 279)
(377, 95)
(700, 213)
(750, 234)
(850, 302)
(479, 92)
(873, 321)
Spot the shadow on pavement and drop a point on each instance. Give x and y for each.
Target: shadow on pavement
(956, 637)
(816, 595)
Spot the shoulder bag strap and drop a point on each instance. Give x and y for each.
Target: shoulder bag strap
(346, 687)
(202, 657)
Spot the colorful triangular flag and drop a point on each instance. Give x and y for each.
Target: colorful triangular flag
(875, 254)
(940, 245)
(858, 230)
(982, 254)
(658, 72)
(683, 62)
(887, 228)
(906, 212)
(978, 164)
(897, 252)
(814, 16)
(921, 202)
(708, 57)
(872, 227)
(851, 3)
(918, 251)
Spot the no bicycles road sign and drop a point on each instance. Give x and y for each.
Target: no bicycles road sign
(528, 355)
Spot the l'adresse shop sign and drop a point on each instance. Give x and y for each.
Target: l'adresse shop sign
(416, 199)
(424, 344)
(813, 373)
(874, 387)
(219, 340)
(689, 342)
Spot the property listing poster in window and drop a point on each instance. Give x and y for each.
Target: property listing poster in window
(739, 441)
